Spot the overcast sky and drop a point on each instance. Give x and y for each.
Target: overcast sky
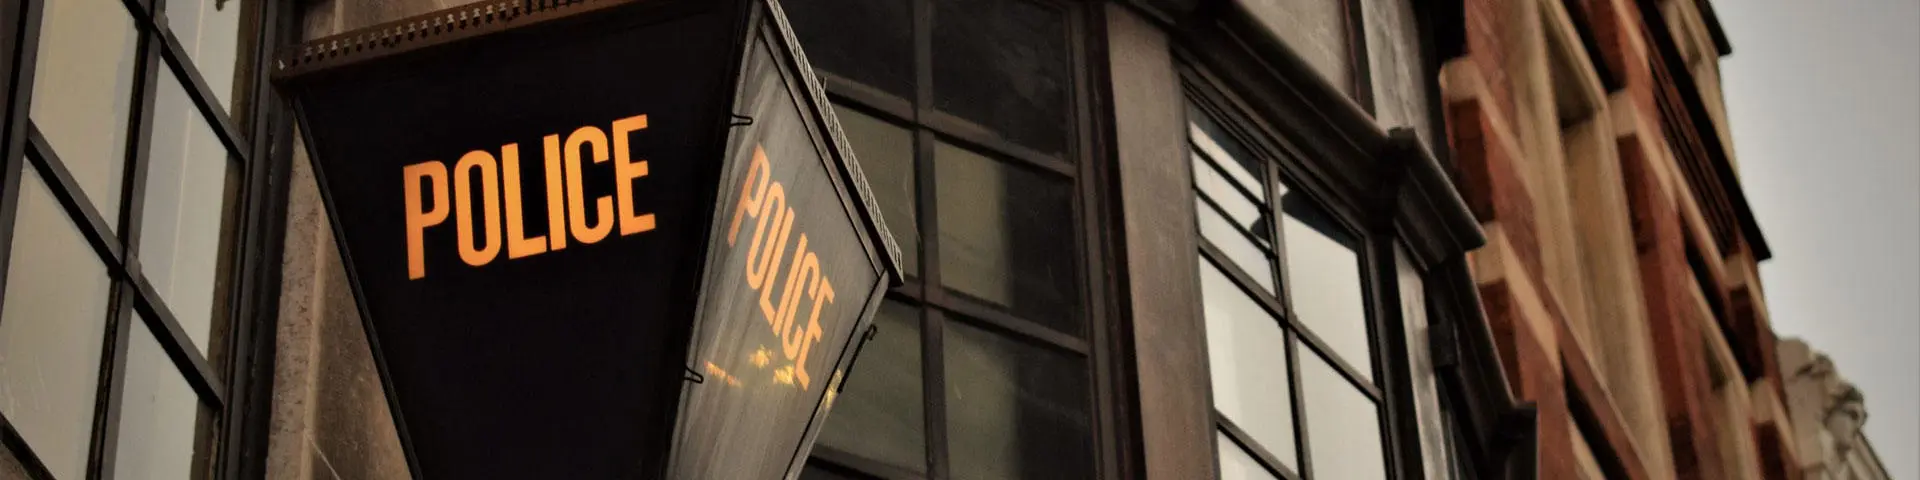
(1825, 104)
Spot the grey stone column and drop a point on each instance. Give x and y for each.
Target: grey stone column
(330, 417)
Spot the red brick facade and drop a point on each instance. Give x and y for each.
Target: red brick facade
(1684, 314)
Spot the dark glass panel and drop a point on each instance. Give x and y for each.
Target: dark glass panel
(867, 41)
(1014, 410)
(878, 414)
(1006, 237)
(885, 152)
(1003, 64)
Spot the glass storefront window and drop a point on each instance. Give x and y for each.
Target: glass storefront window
(160, 415)
(52, 328)
(879, 413)
(1004, 237)
(866, 41)
(1343, 425)
(885, 152)
(1323, 271)
(1003, 64)
(82, 93)
(1237, 464)
(162, 246)
(1246, 351)
(984, 117)
(1017, 410)
(209, 30)
(190, 179)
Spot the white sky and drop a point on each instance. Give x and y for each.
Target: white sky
(1824, 98)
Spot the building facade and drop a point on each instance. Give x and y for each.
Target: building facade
(1828, 413)
(1293, 239)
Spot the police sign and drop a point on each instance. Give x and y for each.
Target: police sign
(594, 239)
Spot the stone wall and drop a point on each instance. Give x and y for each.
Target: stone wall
(330, 418)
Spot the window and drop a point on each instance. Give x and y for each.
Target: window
(1289, 333)
(115, 319)
(961, 113)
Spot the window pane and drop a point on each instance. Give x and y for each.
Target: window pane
(1005, 237)
(878, 415)
(1013, 409)
(1003, 64)
(1236, 463)
(1251, 259)
(1210, 140)
(1246, 351)
(209, 30)
(82, 89)
(867, 41)
(1244, 212)
(885, 152)
(1323, 278)
(189, 179)
(1343, 425)
(161, 418)
(52, 326)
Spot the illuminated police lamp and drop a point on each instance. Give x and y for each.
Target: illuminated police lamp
(595, 239)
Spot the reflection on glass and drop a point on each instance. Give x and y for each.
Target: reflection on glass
(161, 419)
(878, 414)
(52, 326)
(1251, 259)
(1003, 64)
(867, 41)
(1343, 425)
(1005, 237)
(209, 30)
(1236, 463)
(82, 87)
(885, 152)
(1212, 142)
(189, 179)
(1323, 278)
(1246, 351)
(1014, 410)
(1245, 212)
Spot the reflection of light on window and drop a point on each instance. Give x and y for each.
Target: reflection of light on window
(784, 375)
(761, 357)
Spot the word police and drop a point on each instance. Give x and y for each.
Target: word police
(567, 213)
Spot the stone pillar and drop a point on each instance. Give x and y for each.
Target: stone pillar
(330, 418)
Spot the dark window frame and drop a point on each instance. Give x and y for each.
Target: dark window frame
(234, 381)
(1375, 266)
(1081, 170)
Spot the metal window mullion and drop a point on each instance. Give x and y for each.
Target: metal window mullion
(243, 424)
(1218, 167)
(178, 345)
(1245, 442)
(1302, 449)
(969, 135)
(993, 319)
(110, 397)
(872, 101)
(14, 123)
(1265, 249)
(199, 93)
(1340, 366)
(1274, 305)
(1399, 427)
(78, 208)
